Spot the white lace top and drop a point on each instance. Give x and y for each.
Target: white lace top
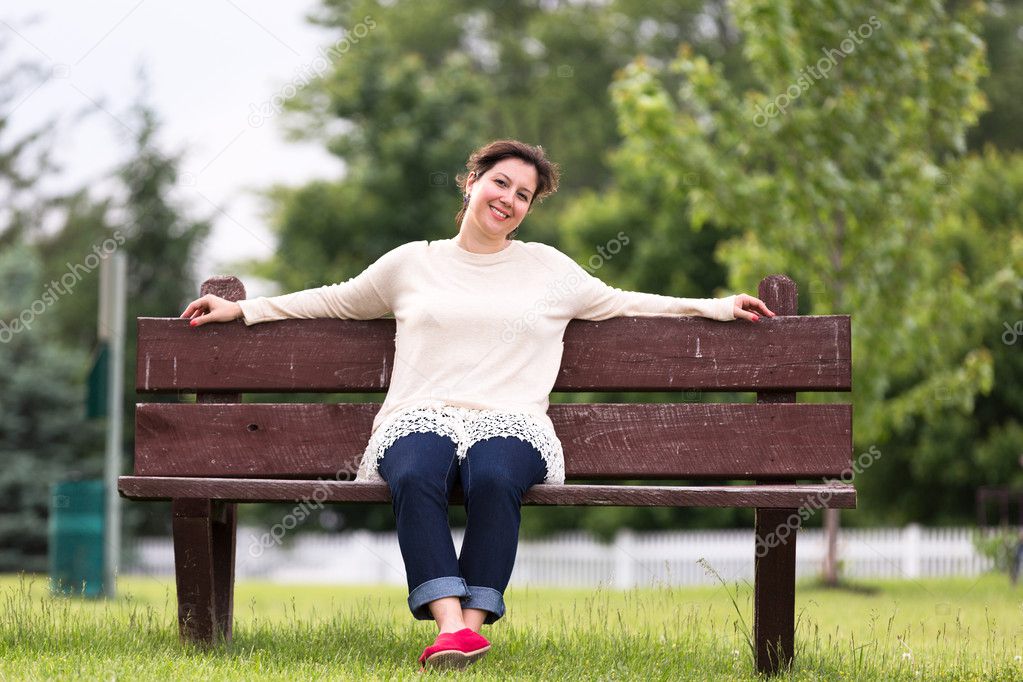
(478, 336)
(465, 427)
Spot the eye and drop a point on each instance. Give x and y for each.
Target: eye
(499, 181)
(523, 196)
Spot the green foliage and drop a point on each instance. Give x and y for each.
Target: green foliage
(424, 84)
(998, 545)
(999, 125)
(401, 170)
(43, 436)
(50, 437)
(23, 160)
(850, 182)
(951, 450)
(858, 189)
(162, 240)
(85, 224)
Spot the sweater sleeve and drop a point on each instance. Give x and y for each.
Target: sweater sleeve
(367, 296)
(599, 301)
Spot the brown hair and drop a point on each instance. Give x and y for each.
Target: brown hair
(484, 158)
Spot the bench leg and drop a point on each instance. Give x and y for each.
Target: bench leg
(224, 538)
(204, 549)
(774, 599)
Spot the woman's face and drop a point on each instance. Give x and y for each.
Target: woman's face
(500, 198)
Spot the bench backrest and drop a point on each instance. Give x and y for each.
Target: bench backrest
(772, 439)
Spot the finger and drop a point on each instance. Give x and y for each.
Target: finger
(196, 306)
(756, 304)
(742, 314)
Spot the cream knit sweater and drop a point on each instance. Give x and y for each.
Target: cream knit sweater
(477, 331)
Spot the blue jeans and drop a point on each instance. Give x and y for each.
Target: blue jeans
(421, 469)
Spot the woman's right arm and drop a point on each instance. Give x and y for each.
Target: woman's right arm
(366, 296)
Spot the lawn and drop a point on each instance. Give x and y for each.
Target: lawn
(961, 629)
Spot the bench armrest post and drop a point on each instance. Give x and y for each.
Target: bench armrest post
(774, 599)
(205, 535)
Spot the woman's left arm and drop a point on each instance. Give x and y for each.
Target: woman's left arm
(599, 301)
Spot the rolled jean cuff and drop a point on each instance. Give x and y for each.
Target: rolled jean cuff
(486, 599)
(438, 588)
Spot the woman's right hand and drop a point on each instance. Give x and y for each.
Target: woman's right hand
(212, 308)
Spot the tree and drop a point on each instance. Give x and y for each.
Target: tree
(43, 436)
(24, 160)
(85, 224)
(160, 240)
(948, 457)
(413, 87)
(999, 125)
(836, 168)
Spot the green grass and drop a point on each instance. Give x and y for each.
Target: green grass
(960, 629)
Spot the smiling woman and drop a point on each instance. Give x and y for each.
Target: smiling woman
(504, 179)
(467, 401)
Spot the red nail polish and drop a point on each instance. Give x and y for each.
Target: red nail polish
(756, 318)
(194, 322)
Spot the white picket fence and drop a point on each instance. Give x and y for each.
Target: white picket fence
(577, 560)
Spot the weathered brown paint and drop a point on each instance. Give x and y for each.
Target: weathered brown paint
(205, 534)
(774, 562)
(815, 495)
(194, 569)
(620, 354)
(601, 441)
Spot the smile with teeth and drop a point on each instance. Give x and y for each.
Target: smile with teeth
(499, 213)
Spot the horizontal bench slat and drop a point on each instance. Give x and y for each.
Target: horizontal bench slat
(601, 440)
(797, 353)
(815, 496)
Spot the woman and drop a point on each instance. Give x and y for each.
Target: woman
(480, 318)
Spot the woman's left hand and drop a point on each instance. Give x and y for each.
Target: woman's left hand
(746, 307)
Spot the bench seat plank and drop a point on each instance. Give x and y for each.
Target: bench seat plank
(653, 441)
(776, 496)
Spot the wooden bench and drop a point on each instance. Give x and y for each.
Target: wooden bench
(774, 456)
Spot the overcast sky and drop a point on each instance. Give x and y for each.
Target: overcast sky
(210, 65)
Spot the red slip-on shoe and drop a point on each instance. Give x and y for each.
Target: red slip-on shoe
(454, 650)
